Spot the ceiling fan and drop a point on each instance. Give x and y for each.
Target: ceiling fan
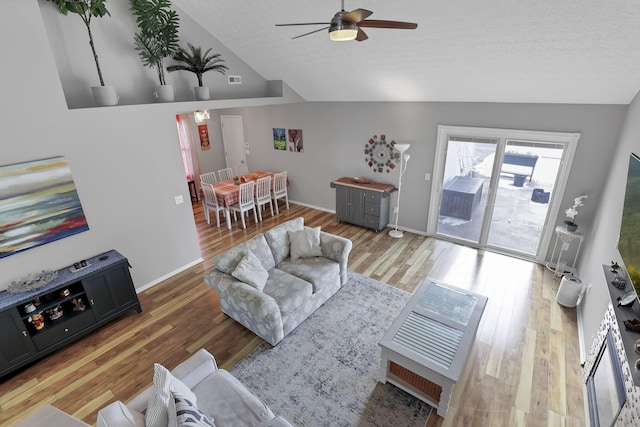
(348, 25)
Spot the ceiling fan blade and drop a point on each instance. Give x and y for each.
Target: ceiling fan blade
(356, 16)
(310, 32)
(305, 23)
(362, 36)
(374, 23)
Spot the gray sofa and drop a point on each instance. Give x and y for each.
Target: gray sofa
(295, 281)
(220, 396)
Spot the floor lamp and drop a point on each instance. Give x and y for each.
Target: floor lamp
(404, 158)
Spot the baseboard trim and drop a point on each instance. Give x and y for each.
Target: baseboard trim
(169, 275)
(581, 342)
(320, 208)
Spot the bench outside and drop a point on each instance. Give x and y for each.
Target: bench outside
(519, 164)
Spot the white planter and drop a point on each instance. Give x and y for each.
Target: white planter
(105, 95)
(202, 93)
(163, 93)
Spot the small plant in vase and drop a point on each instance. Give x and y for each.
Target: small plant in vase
(86, 10)
(572, 212)
(198, 63)
(157, 38)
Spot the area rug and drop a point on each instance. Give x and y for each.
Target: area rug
(326, 372)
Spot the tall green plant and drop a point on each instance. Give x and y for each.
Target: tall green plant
(86, 9)
(158, 35)
(198, 63)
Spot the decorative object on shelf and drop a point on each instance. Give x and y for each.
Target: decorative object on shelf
(404, 158)
(198, 63)
(55, 312)
(32, 281)
(79, 265)
(156, 39)
(37, 320)
(88, 9)
(279, 139)
(361, 180)
(380, 154)
(29, 308)
(40, 205)
(78, 304)
(64, 292)
(615, 267)
(572, 212)
(627, 299)
(619, 282)
(632, 325)
(200, 116)
(637, 346)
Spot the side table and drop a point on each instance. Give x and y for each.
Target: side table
(565, 238)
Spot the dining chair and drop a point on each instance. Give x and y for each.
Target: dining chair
(242, 169)
(208, 178)
(210, 203)
(280, 189)
(263, 194)
(246, 202)
(225, 174)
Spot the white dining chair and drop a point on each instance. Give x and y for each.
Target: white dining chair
(210, 203)
(242, 169)
(246, 202)
(225, 174)
(280, 189)
(208, 178)
(263, 194)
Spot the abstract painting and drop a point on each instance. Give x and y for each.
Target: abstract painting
(38, 204)
(279, 139)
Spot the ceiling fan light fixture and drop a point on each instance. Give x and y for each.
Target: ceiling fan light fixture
(340, 31)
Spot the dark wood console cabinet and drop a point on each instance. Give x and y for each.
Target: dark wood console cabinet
(365, 204)
(104, 286)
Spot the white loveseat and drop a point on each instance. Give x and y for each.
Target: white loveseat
(220, 397)
(298, 269)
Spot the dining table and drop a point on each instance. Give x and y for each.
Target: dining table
(228, 192)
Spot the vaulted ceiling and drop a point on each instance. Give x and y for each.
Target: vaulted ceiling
(538, 51)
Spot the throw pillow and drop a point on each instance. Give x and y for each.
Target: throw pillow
(188, 414)
(250, 271)
(304, 243)
(164, 384)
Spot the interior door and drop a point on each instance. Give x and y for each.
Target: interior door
(233, 141)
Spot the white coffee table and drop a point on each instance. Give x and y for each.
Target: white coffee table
(426, 347)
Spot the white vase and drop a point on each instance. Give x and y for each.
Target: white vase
(202, 93)
(105, 95)
(163, 93)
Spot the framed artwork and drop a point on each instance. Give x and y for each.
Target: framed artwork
(203, 131)
(38, 204)
(279, 139)
(294, 140)
(380, 154)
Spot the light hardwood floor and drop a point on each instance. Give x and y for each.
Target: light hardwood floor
(523, 370)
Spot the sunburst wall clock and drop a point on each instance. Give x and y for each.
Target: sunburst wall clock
(380, 155)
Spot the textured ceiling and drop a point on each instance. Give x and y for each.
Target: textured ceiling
(539, 51)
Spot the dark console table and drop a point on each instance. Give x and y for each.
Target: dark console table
(461, 196)
(105, 288)
(362, 202)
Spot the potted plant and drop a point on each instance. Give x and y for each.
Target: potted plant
(86, 10)
(572, 212)
(198, 63)
(157, 38)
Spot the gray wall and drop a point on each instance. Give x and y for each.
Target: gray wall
(602, 247)
(335, 135)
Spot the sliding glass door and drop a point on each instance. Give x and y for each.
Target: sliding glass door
(494, 189)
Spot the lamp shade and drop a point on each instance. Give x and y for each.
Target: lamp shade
(401, 147)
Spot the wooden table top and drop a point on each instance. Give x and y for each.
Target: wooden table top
(364, 183)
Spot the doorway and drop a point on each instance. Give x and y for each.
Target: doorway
(234, 144)
(497, 189)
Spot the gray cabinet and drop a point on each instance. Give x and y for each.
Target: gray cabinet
(366, 205)
(104, 288)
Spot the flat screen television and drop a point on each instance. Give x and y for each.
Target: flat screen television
(629, 242)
